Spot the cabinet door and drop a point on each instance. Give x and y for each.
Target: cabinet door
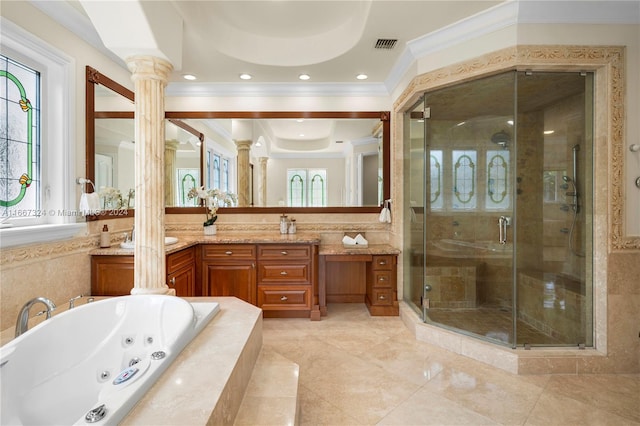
(183, 281)
(111, 275)
(230, 279)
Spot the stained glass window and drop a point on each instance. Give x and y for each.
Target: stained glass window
(296, 187)
(187, 179)
(464, 179)
(435, 175)
(307, 187)
(20, 184)
(497, 180)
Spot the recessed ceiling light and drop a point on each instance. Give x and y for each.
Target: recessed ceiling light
(362, 76)
(189, 77)
(304, 76)
(245, 76)
(301, 135)
(549, 132)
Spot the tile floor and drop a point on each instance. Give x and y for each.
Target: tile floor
(492, 323)
(361, 370)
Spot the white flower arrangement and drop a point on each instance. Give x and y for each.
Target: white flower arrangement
(213, 200)
(112, 197)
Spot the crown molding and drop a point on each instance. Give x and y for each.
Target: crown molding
(69, 17)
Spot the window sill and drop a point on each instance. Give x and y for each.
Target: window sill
(18, 236)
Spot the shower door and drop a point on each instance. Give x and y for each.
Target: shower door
(470, 144)
(507, 207)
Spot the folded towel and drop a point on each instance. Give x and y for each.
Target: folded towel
(360, 240)
(89, 203)
(385, 215)
(348, 241)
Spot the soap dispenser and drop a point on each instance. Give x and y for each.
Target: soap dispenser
(105, 238)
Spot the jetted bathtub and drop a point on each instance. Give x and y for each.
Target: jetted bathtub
(92, 364)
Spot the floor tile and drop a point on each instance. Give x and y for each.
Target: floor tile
(361, 370)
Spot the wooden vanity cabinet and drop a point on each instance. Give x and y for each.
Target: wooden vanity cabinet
(181, 272)
(113, 275)
(286, 277)
(381, 298)
(228, 270)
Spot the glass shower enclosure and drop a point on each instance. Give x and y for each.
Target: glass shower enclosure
(498, 222)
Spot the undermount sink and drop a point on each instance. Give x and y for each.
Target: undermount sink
(131, 244)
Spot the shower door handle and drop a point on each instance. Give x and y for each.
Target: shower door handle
(503, 222)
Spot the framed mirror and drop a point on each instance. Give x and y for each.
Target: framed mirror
(338, 160)
(352, 151)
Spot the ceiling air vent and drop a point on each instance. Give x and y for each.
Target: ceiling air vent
(386, 43)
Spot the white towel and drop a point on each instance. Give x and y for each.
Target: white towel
(348, 241)
(360, 240)
(385, 215)
(89, 203)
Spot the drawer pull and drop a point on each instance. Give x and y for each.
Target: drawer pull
(382, 279)
(284, 252)
(382, 262)
(228, 252)
(382, 297)
(284, 298)
(172, 281)
(283, 273)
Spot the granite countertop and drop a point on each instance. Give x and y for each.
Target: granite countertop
(188, 240)
(372, 249)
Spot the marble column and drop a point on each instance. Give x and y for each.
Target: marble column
(170, 148)
(150, 75)
(262, 190)
(244, 172)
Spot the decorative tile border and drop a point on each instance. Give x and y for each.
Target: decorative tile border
(603, 59)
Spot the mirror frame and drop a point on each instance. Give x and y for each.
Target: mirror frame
(94, 77)
(383, 116)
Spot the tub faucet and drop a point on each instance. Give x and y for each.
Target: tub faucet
(22, 324)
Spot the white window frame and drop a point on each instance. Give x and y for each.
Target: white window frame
(57, 165)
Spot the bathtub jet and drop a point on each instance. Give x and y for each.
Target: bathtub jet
(93, 363)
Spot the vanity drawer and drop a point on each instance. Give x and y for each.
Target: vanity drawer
(279, 273)
(270, 298)
(180, 259)
(283, 251)
(382, 297)
(383, 279)
(383, 262)
(228, 251)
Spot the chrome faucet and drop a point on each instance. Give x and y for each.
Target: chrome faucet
(22, 324)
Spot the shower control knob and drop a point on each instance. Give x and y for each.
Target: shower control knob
(427, 287)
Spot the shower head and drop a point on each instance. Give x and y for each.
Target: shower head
(501, 138)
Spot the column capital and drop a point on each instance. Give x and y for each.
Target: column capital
(149, 68)
(243, 144)
(171, 144)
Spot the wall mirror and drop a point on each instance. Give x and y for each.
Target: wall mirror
(351, 149)
(299, 161)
